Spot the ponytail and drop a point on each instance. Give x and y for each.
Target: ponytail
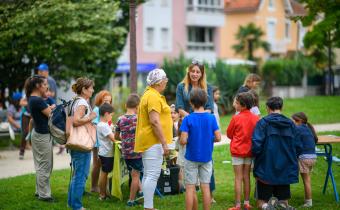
(313, 132)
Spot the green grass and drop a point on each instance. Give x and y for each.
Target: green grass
(18, 192)
(319, 109)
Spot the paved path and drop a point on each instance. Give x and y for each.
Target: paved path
(10, 165)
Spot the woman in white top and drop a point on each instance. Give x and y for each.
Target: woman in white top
(82, 114)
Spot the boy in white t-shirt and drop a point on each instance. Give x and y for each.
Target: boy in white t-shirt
(106, 138)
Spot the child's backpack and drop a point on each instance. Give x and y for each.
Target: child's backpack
(57, 120)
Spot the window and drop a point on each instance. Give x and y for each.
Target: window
(271, 30)
(271, 4)
(200, 38)
(150, 33)
(165, 38)
(287, 29)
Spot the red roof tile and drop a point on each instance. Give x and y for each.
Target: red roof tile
(241, 5)
(298, 9)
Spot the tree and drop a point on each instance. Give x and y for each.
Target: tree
(76, 38)
(249, 37)
(133, 50)
(323, 18)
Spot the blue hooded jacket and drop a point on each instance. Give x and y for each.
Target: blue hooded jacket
(276, 150)
(306, 137)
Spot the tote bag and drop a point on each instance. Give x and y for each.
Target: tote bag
(82, 138)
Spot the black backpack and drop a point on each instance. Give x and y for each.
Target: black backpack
(57, 120)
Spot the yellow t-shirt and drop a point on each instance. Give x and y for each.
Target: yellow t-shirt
(152, 100)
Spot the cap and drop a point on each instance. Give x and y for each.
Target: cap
(43, 67)
(16, 96)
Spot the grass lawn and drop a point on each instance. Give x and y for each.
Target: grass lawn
(319, 109)
(18, 192)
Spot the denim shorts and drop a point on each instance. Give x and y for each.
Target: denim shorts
(135, 164)
(195, 171)
(236, 161)
(107, 163)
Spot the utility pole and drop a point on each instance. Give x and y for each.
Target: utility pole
(133, 50)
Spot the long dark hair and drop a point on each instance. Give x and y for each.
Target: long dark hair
(302, 117)
(31, 84)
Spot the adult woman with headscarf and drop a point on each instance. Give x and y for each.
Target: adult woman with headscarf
(82, 114)
(153, 132)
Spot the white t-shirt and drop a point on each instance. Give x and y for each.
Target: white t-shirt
(255, 110)
(217, 116)
(105, 143)
(81, 102)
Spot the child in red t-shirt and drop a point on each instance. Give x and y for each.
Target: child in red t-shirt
(240, 131)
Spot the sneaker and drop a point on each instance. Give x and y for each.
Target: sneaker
(103, 198)
(48, 199)
(235, 208)
(213, 201)
(272, 204)
(21, 157)
(283, 206)
(247, 207)
(132, 203)
(307, 205)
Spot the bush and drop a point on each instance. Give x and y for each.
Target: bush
(228, 79)
(175, 70)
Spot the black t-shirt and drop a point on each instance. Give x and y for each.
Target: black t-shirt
(36, 106)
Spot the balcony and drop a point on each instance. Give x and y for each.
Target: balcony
(278, 46)
(201, 51)
(199, 14)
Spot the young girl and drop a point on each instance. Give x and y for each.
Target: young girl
(255, 109)
(240, 131)
(216, 93)
(308, 138)
(252, 81)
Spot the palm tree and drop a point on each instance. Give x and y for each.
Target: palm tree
(133, 50)
(249, 37)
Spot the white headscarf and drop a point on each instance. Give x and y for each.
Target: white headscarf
(155, 76)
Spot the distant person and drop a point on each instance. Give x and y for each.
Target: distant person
(255, 108)
(194, 78)
(102, 97)
(14, 112)
(240, 131)
(275, 149)
(36, 90)
(307, 135)
(252, 81)
(43, 70)
(217, 95)
(199, 132)
(125, 131)
(153, 132)
(25, 121)
(106, 139)
(81, 161)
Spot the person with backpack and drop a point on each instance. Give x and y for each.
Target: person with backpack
(36, 89)
(82, 114)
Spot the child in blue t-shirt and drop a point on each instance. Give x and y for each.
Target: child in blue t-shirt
(199, 131)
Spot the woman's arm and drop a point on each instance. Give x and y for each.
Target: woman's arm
(184, 138)
(157, 129)
(117, 135)
(182, 112)
(79, 118)
(12, 121)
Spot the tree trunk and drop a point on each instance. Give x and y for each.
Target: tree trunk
(330, 72)
(133, 50)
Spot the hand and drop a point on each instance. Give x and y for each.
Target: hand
(52, 106)
(92, 115)
(165, 149)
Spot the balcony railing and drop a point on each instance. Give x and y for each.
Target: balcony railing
(201, 46)
(205, 8)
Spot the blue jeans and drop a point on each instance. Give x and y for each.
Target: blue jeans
(81, 166)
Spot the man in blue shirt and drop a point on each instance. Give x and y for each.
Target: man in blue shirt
(199, 131)
(43, 70)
